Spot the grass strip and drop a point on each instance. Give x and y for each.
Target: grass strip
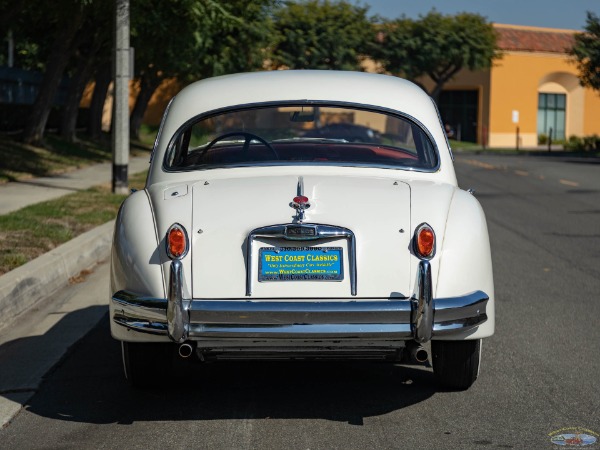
(19, 161)
(34, 230)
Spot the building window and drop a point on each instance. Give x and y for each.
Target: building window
(551, 115)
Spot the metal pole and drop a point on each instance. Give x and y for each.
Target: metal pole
(11, 49)
(484, 136)
(550, 140)
(120, 118)
(518, 138)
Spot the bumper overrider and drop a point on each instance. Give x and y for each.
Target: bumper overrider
(181, 318)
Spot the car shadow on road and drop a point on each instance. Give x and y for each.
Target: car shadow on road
(88, 386)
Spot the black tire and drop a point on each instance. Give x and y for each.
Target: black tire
(456, 363)
(147, 364)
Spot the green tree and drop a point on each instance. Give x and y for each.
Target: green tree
(92, 47)
(66, 17)
(60, 39)
(317, 34)
(436, 45)
(193, 39)
(29, 27)
(10, 10)
(586, 52)
(182, 39)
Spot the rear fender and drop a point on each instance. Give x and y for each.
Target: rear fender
(135, 258)
(465, 263)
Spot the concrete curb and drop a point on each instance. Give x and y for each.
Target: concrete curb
(37, 280)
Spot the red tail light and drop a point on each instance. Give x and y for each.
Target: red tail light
(424, 241)
(177, 242)
(301, 200)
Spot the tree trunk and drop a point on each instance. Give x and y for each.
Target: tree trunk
(76, 87)
(148, 85)
(103, 78)
(55, 67)
(436, 91)
(440, 79)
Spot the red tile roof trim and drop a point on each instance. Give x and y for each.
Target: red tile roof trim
(528, 40)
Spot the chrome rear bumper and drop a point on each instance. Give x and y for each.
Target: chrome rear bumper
(337, 322)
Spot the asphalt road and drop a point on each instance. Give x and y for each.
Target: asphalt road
(540, 372)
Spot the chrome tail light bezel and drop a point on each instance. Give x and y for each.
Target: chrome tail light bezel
(416, 250)
(177, 226)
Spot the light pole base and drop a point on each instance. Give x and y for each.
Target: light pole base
(119, 179)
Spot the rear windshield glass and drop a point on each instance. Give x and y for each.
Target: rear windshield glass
(302, 134)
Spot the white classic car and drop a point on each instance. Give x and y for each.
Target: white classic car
(302, 214)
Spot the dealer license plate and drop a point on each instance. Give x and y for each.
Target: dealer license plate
(300, 264)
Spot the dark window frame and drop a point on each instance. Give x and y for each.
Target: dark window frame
(556, 103)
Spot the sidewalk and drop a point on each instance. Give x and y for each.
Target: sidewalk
(18, 194)
(37, 341)
(40, 319)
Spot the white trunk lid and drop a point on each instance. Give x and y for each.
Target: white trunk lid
(376, 210)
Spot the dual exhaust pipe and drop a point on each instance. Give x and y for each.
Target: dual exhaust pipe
(417, 352)
(186, 349)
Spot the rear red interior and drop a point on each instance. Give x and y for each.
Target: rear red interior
(302, 151)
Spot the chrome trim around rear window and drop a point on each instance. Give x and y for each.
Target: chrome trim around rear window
(329, 103)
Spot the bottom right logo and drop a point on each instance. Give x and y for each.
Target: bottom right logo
(573, 437)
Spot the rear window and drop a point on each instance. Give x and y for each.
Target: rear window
(302, 134)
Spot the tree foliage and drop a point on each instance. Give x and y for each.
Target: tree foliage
(92, 49)
(586, 52)
(60, 39)
(65, 29)
(234, 38)
(182, 39)
(317, 34)
(436, 45)
(29, 25)
(193, 39)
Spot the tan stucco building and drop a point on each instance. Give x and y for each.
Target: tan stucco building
(534, 87)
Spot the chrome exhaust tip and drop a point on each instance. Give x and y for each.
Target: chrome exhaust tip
(417, 352)
(186, 350)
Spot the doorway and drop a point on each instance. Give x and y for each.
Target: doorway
(459, 110)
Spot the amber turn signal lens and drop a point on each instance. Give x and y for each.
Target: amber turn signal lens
(177, 242)
(425, 241)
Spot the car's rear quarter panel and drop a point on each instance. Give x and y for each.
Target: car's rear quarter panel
(136, 263)
(465, 262)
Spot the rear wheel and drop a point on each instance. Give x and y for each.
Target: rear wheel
(146, 364)
(456, 363)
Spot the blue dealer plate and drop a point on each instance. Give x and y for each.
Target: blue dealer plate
(300, 264)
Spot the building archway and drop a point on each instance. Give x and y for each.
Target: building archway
(560, 105)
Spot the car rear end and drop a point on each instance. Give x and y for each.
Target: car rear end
(276, 238)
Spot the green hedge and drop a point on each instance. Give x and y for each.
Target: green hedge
(583, 144)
